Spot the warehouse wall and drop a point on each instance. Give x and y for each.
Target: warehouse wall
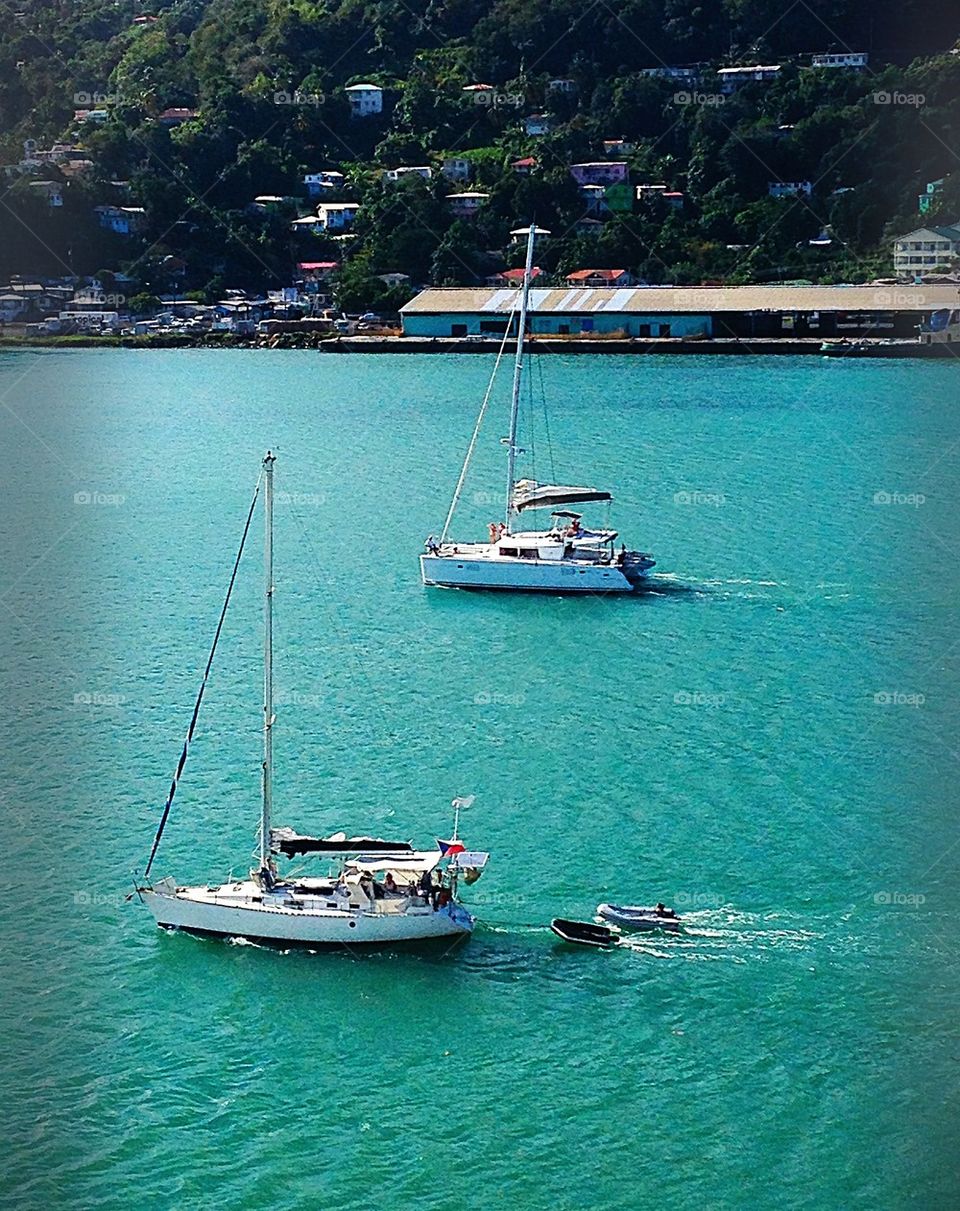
(486, 324)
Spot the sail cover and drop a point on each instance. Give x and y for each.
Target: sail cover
(529, 495)
(289, 843)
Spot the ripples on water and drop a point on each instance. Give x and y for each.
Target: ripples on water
(716, 741)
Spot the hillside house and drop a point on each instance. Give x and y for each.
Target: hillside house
(594, 199)
(524, 166)
(456, 168)
(315, 272)
(610, 278)
(50, 191)
(336, 216)
(176, 115)
(857, 60)
(537, 124)
(925, 249)
(789, 189)
(318, 183)
(365, 99)
(731, 78)
(680, 75)
(124, 220)
(397, 174)
(466, 204)
(600, 172)
(512, 277)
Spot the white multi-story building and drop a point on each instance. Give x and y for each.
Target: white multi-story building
(397, 174)
(855, 59)
(322, 182)
(732, 77)
(365, 99)
(336, 216)
(122, 219)
(685, 75)
(465, 205)
(925, 249)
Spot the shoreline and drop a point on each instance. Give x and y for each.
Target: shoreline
(677, 346)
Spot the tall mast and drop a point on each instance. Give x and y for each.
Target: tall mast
(268, 716)
(517, 367)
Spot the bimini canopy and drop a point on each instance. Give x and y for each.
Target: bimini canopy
(530, 495)
(414, 863)
(289, 843)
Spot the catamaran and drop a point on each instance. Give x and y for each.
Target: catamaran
(567, 557)
(375, 891)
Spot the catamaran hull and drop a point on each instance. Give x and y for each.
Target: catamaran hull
(522, 575)
(313, 928)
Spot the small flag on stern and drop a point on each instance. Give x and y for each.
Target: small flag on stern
(464, 802)
(449, 848)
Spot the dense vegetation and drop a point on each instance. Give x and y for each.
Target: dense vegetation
(266, 77)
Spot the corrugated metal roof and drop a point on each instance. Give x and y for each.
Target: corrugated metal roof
(661, 300)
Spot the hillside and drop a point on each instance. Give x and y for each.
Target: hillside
(260, 90)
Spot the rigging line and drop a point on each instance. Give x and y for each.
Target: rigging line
(476, 428)
(203, 684)
(546, 418)
(531, 418)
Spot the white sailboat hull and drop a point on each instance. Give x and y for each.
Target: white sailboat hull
(530, 575)
(194, 910)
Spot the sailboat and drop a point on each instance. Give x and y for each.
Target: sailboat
(567, 557)
(375, 891)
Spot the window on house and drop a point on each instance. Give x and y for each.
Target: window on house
(643, 329)
(664, 330)
(458, 329)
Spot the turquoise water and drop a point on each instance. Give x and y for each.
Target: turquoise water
(766, 739)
